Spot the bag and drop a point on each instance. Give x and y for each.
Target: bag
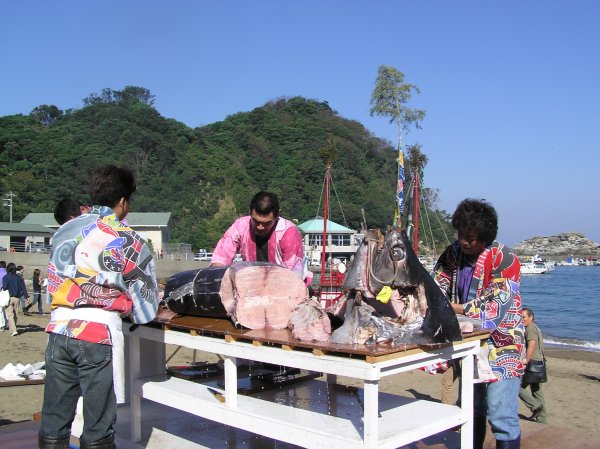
(4, 298)
(535, 372)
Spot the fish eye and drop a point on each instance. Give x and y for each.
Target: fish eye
(398, 253)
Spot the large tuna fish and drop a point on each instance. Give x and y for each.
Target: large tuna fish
(391, 296)
(256, 295)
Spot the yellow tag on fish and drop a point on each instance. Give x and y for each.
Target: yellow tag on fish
(384, 295)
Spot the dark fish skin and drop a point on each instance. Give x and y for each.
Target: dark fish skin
(393, 262)
(440, 322)
(355, 275)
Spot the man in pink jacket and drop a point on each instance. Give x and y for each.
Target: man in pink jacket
(263, 236)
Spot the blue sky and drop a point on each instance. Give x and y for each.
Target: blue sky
(511, 88)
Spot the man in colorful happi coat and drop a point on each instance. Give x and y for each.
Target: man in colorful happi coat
(481, 278)
(99, 271)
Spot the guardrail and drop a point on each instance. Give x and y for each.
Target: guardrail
(19, 247)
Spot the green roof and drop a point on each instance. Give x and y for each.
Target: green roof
(44, 219)
(24, 229)
(133, 218)
(315, 225)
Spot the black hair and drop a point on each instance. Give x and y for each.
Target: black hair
(66, 209)
(263, 203)
(529, 312)
(36, 272)
(109, 184)
(2, 264)
(476, 217)
(11, 267)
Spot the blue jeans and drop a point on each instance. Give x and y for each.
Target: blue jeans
(78, 368)
(23, 303)
(37, 298)
(500, 402)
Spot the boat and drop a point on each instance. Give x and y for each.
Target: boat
(535, 266)
(572, 262)
(532, 268)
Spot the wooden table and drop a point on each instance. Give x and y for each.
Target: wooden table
(375, 425)
(16, 383)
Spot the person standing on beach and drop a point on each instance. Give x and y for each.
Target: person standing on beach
(16, 288)
(2, 309)
(534, 400)
(485, 274)
(23, 297)
(99, 270)
(37, 293)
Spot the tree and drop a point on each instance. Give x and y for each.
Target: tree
(105, 97)
(130, 94)
(390, 97)
(45, 114)
(330, 151)
(417, 160)
(134, 94)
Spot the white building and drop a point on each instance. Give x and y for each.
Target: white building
(342, 242)
(153, 226)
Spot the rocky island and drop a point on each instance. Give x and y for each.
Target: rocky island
(566, 244)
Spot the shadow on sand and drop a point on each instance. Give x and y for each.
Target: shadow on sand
(29, 328)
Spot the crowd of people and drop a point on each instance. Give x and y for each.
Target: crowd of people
(100, 270)
(12, 279)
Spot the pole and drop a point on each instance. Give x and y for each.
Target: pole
(325, 210)
(416, 212)
(8, 202)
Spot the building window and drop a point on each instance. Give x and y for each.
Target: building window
(315, 239)
(340, 239)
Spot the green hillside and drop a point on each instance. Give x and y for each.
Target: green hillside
(204, 176)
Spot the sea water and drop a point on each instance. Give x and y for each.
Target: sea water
(566, 303)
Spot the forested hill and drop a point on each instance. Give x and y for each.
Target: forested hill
(204, 176)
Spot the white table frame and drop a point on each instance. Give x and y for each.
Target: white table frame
(390, 429)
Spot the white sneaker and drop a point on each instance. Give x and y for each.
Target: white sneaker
(14, 334)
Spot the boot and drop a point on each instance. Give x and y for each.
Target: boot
(512, 444)
(46, 442)
(479, 429)
(105, 443)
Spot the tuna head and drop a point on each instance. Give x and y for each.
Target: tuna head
(386, 267)
(382, 260)
(356, 275)
(393, 263)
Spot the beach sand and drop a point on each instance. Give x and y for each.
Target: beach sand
(571, 392)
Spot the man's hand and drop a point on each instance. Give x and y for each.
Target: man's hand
(458, 309)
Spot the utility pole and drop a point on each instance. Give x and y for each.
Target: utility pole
(8, 202)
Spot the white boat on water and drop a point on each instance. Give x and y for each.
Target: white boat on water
(533, 268)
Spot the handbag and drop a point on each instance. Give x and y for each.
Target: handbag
(4, 298)
(535, 372)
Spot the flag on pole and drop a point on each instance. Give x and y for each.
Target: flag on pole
(400, 188)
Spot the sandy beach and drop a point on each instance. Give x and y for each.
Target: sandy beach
(571, 392)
